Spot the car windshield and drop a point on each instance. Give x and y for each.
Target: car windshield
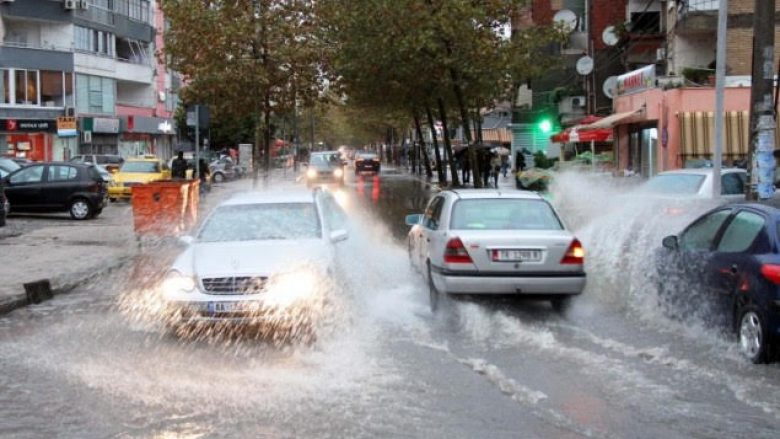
(674, 184)
(504, 214)
(253, 222)
(149, 167)
(367, 156)
(8, 165)
(324, 159)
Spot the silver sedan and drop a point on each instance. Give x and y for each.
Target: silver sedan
(495, 242)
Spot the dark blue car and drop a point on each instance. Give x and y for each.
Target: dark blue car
(725, 268)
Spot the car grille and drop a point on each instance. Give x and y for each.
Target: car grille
(233, 285)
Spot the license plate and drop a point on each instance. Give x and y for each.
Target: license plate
(517, 255)
(214, 307)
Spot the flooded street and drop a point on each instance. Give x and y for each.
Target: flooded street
(613, 366)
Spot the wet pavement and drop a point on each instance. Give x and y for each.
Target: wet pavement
(610, 368)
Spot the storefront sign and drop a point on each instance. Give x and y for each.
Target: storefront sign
(101, 125)
(27, 125)
(637, 80)
(66, 126)
(146, 125)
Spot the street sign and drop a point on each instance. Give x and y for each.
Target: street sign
(66, 127)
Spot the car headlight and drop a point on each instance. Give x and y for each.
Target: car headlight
(338, 173)
(288, 289)
(176, 283)
(311, 173)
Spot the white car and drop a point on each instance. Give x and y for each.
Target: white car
(259, 258)
(495, 242)
(696, 183)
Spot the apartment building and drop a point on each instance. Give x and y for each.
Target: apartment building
(89, 59)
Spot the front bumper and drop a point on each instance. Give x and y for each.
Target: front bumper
(242, 312)
(120, 191)
(531, 284)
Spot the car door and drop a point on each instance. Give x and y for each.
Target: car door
(24, 189)
(432, 233)
(733, 261)
(62, 182)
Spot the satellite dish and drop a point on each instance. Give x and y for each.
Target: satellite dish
(609, 36)
(610, 84)
(585, 65)
(566, 18)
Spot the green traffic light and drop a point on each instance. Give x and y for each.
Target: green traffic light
(545, 126)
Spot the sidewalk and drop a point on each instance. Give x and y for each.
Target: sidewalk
(504, 183)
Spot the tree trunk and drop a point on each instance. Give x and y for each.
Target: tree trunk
(448, 145)
(439, 163)
(426, 159)
(464, 120)
(267, 137)
(258, 147)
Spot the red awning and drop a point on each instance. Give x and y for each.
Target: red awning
(578, 134)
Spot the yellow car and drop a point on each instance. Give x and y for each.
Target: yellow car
(137, 171)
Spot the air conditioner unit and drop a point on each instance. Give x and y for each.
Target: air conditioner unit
(69, 4)
(87, 136)
(660, 54)
(578, 101)
(83, 4)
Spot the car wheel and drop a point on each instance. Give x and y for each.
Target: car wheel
(752, 335)
(80, 209)
(433, 293)
(219, 177)
(561, 304)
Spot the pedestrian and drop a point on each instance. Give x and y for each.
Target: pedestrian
(203, 176)
(179, 167)
(519, 162)
(465, 169)
(485, 168)
(504, 165)
(495, 168)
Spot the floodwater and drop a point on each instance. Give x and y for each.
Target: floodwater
(84, 366)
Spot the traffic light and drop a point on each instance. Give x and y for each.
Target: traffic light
(545, 125)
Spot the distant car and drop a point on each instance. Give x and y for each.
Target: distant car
(111, 162)
(495, 242)
(5, 207)
(223, 169)
(325, 168)
(367, 162)
(136, 171)
(7, 166)
(725, 268)
(258, 259)
(695, 183)
(56, 187)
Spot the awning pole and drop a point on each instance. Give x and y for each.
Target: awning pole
(593, 156)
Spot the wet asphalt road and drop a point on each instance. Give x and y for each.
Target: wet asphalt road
(77, 367)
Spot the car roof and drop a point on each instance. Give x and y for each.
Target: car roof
(700, 171)
(770, 206)
(143, 159)
(270, 197)
(325, 152)
(494, 193)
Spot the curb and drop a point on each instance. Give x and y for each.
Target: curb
(21, 300)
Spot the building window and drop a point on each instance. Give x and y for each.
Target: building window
(95, 41)
(95, 95)
(48, 88)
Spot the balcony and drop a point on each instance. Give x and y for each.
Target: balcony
(697, 17)
(36, 56)
(121, 70)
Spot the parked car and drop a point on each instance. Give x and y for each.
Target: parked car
(135, 171)
(7, 166)
(495, 242)
(223, 169)
(5, 207)
(21, 161)
(725, 268)
(325, 167)
(367, 162)
(258, 259)
(696, 183)
(56, 187)
(112, 162)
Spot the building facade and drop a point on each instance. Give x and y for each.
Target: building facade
(89, 59)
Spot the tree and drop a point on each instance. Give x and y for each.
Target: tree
(247, 57)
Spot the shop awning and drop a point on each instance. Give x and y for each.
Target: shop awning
(494, 135)
(697, 134)
(610, 121)
(577, 134)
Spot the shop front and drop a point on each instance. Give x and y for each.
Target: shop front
(99, 135)
(146, 135)
(33, 139)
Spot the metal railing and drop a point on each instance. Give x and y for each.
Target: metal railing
(700, 5)
(21, 45)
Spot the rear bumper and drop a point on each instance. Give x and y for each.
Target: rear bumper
(120, 192)
(531, 284)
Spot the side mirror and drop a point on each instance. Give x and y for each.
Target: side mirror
(338, 235)
(413, 219)
(670, 242)
(186, 239)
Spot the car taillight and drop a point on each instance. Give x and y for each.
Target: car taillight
(455, 252)
(771, 272)
(575, 254)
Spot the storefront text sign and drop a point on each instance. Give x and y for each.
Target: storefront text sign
(637, 80)
(66, 126)
(27, 125)
(105, 125)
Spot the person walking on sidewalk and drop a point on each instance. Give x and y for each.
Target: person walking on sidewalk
(495, 168)
(179, 167)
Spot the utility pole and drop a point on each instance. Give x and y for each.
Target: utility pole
(761, 162)
(720, 82)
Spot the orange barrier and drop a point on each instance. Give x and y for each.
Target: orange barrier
(165, 208)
